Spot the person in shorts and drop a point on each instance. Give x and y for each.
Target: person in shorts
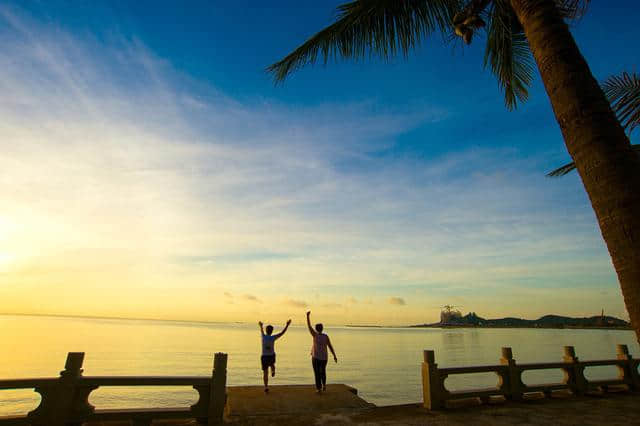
(268, 358)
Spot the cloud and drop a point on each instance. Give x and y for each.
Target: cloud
(110, 157)
(352, 300)
(251, 298)
(296, 303)
(227, 294)
(397, 301)
(243, 257)
(332, 305)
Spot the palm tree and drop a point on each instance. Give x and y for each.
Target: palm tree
(596, 141)
(623, 92)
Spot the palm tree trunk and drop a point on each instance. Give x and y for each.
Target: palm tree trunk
(609, 169)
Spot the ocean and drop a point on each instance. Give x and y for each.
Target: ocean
(382, 363)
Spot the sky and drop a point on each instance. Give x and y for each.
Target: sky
(150, 168)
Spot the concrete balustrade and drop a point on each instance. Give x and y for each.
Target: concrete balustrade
(511, 386)
(65, 400)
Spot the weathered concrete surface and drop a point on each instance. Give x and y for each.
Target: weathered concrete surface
(243, 401)
(610, 410)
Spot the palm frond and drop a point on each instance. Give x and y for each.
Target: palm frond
(623, 92)
(508, 54)
(381, 27)
(561, 171)
(573, 9)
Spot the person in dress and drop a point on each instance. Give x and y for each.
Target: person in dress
(319, 354)
(268, 358)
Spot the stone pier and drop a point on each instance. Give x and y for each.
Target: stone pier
(249, 401)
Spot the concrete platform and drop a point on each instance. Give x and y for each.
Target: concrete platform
(249, 401)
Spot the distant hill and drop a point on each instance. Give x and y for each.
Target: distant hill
(547, 321)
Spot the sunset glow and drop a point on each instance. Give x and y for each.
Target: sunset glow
(139, 181)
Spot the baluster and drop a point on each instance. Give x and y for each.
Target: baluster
(514, 386)
(574, 374)
(200, 409)
(628, 368)
(57, 404)
(38, 416)
(218, 396)
(81, 407)
(432, 396)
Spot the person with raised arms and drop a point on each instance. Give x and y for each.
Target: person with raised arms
(319, 354)
(268, 358)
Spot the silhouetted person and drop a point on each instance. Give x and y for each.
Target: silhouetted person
(319, 354)
(268, 358)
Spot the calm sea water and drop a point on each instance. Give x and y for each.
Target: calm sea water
(382, 363)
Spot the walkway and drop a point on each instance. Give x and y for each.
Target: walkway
(340, 409)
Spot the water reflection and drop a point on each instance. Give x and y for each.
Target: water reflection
(142, 396)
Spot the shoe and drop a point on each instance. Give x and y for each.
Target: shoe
(324, 388)
(266, 390)
(318, 391)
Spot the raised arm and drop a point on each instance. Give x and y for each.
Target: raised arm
(335, 358)
(311, 330)
(284, 330)
(261, 328)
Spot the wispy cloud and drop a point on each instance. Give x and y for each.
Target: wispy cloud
(241, 257)
(397, 301)
(116, 168)
(296, 303)
(251, 298)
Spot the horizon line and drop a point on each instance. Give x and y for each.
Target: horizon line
(167, 319)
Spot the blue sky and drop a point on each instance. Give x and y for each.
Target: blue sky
(145, 150)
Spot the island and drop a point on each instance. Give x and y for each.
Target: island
(455, 319)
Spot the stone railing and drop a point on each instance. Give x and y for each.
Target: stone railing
(65, 400)
(511, 386)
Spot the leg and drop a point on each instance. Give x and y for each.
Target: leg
(273, 370)
(265, 372)
(316, 373)
(323, 374)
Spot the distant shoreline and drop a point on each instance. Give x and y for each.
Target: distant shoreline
(442, 326)
(546, 327)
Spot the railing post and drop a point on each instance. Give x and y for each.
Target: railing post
(514, 385)
(58, 408)
(218, 396)
(628, 371)
(431, 394)
(574, 374)
(200, 409)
